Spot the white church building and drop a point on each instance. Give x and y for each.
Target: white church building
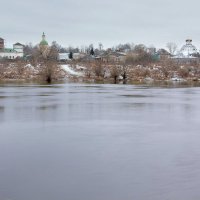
(11, 53)
(187, 51)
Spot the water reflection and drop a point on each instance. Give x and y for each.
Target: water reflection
(47, 107)
(94, 142)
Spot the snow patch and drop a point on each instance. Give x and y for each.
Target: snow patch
(70, 71)
(29, 66)
(80, 67)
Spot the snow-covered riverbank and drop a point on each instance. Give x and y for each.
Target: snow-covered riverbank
(71, 71)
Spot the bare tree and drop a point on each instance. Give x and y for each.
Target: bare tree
(172, 47)
(99, 70)
(100, 46)
(115, 73)
(124, 72)
(49, 70)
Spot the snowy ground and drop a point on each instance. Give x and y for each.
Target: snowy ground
(70, 71)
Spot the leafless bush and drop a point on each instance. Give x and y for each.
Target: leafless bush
(183, 72)
(20, 67)
(49, 71)
(99, 70)
(115, 73)
(2, 70)
(124, 72)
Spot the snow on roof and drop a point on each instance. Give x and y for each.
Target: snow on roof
(18, 44)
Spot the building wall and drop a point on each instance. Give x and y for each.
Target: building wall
(18, 48)
(77, 56)
(63, 56)
(1, 43)
(44, 49)
(10, 55)
(112, 58)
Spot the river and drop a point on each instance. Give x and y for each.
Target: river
(99, 142)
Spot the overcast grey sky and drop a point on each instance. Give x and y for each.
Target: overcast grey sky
(82, 22)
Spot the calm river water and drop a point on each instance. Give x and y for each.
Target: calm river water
(99, 142)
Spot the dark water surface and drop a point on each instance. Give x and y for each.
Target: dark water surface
(99, 142)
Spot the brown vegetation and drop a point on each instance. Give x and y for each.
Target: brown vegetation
(138, 64)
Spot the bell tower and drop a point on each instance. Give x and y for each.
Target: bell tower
(44, 47)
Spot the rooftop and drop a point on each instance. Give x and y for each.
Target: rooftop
(187, 50)
(18, 44)
(9, 50)
(43, 42)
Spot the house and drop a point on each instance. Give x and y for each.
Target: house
(111, 56)
(162, 54)
(88, 58)
(63, 56)
(19, 48)
(77, 56)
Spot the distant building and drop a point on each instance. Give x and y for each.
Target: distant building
(44, 46)
(43, 41)
(63, 56)
(77, 56)
(88, 58)
(1, 44)
(111, 56)
(151, 50)
(163, 54)
(187, 51)
(11, 53)
(19, 48)
(187, 54)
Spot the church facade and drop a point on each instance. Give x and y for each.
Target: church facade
(11, 53)
(188, 50)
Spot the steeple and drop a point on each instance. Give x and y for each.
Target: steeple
(43, 36)
(43, 42)
(188, 41)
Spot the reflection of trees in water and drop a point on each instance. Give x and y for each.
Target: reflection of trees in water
(47, 107)
(2, 108)
(2, 113)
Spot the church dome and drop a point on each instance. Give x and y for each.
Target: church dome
(43, 42)
(188, 49)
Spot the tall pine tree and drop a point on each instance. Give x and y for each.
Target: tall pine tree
(92, 51)
(71, 55)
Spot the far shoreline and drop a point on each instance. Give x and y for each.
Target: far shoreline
(154, 83)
